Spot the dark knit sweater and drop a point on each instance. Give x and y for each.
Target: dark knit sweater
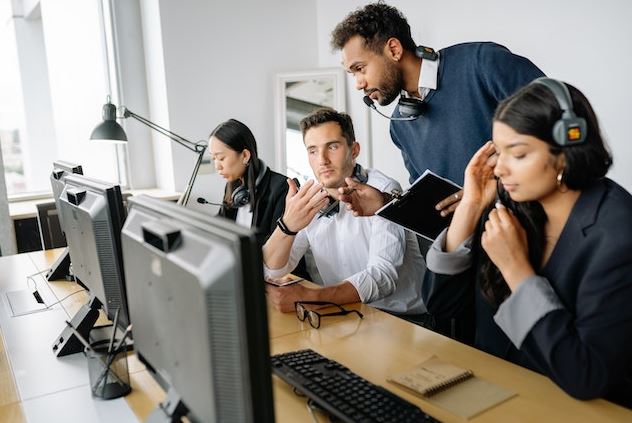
(472, 79)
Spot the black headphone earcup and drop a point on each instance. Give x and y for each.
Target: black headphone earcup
(410, 107)
(240, 197)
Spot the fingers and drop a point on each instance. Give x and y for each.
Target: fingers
(484, 153)
(450, 209)
(292, 188)
(449, 201)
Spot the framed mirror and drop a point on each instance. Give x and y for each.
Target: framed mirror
(297, 94)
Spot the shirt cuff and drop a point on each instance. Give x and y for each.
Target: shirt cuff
(364, 289)
(452, 263)
(274, 273)
(533, 299)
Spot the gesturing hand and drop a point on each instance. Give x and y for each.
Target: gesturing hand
(505, 242)
(361, 199)
(479, 186)
(301, 206)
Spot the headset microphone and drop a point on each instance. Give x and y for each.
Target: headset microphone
(204, 201)
(369, 102)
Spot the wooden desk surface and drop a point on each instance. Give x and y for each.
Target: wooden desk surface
(374, 347)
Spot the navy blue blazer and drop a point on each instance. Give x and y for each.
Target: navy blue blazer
(585, 348)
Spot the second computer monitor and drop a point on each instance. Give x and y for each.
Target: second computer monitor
(93, 216)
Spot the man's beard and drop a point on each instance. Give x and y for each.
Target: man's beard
(391, 86)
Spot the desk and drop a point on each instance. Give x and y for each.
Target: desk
(375, 347)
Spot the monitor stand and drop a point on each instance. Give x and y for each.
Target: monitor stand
(67, 343)
(60, 269)
(171, 410)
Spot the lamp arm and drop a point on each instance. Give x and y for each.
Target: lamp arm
(197, 147)
(187, 192)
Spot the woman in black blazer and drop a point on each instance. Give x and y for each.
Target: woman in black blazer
(254, 195)
(538, 256)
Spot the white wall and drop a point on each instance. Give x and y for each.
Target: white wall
(583, 42)
(219, 60)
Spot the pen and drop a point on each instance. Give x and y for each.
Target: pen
(128, 329)
(116, 316)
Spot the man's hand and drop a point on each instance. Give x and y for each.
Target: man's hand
(448, 204)
(301, 206)
(283, 297)
(361, 199)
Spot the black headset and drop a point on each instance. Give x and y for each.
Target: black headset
(359, 174)
(409, 108)
(568, 129)
(241, 196)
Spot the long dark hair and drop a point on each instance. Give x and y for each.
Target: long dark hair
(533, 111)
(238, 137)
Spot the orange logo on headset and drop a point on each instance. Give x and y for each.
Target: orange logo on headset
(574, 134)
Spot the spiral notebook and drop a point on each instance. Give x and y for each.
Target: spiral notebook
(451, 387)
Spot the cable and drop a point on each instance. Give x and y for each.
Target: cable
(63, 299)
(36, 290)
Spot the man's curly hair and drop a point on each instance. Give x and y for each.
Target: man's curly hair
(375, 23)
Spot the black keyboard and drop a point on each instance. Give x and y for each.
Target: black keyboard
(342, 393)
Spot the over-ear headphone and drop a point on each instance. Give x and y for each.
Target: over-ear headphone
(409, 108)
(241, 196)
(568, 129)
(359, 174)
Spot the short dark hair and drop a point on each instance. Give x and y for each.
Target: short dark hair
(533, 110)
(375, 23)
(325, 114)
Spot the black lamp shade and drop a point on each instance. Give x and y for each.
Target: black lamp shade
(109, 129)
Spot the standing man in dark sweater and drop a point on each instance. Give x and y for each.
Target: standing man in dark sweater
(457, 90)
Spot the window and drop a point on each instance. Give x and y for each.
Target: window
(56, 75)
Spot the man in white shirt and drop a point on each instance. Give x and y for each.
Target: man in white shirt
(366, 259)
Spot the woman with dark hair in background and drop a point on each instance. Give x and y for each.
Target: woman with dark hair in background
(254, 195)
(538, 256)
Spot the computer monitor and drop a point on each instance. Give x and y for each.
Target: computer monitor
(61, 168)
(197, 304)
(93, 216)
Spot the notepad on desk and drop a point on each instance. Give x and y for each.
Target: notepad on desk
(415, 208)
(451, 387)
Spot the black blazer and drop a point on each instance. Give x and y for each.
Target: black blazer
(269, 204)
(585, 348)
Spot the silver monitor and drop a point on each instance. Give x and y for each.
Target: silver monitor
(197, 303)
(60, 268)
(93, 216)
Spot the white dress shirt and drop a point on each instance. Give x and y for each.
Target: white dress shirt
(379, 258)
(244, 216)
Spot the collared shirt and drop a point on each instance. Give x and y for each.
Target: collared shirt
(428, 76)
(379, 258)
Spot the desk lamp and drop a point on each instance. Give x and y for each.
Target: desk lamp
(110, 130)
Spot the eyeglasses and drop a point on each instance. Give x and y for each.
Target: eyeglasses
(314, 317)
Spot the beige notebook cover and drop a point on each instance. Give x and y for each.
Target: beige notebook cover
(452, 388)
